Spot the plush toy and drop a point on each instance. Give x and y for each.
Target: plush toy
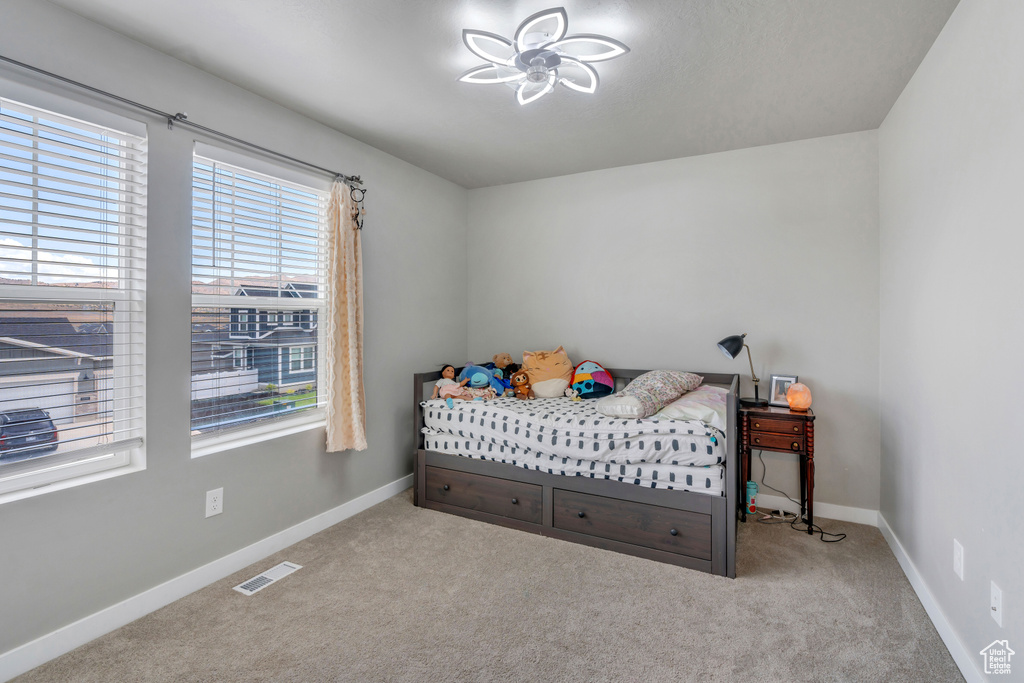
(550, 371)
(470, 371)
(590, 380)
(503, 361)
(521, 385)
(573, 394)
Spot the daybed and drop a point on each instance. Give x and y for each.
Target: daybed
(647, 503)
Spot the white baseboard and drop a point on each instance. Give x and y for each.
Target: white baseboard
(963, 657)
(43, 649)
(840, 513)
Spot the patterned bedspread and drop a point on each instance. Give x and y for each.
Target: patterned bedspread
(574, 430)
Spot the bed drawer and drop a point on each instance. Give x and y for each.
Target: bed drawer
(781, 442)
(777, 426)
(652, 526)
(513, 499)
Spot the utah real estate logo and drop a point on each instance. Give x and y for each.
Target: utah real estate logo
(997, 657)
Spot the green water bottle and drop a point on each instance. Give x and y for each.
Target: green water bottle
(751, 495)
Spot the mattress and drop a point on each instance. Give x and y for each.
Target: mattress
(560, 436)
(575, 430)
(708, 479)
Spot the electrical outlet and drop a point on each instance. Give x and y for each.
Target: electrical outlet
(997, 604)
(214, 502)
(958, 559)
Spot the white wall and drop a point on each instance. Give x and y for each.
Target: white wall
(70, 553)
(952, 318)
(648, 266)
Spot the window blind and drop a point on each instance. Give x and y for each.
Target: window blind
(72, 318)
(258, 292)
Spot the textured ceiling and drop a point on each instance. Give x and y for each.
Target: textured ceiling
(703, 75)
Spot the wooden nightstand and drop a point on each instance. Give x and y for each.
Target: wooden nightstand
(780, 430)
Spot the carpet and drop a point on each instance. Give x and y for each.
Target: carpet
(399, 593)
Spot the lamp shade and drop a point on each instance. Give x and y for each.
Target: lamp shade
(731, 346)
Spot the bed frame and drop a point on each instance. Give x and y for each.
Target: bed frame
(693, 530)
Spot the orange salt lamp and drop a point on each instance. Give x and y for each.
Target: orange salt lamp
(799, 397)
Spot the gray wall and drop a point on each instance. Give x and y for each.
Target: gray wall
(952, 317)
(649, 266)
(70, 553)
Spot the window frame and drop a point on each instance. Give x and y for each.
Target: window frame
(279, 313)
(58, 471)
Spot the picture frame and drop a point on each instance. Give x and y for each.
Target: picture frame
(777, 390)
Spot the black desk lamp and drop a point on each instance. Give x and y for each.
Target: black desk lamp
(731, 347)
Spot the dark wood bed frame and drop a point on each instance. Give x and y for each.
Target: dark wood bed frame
(693, 530)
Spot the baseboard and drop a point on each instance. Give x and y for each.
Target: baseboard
(840, 513)
(30, 655)
(967, 663)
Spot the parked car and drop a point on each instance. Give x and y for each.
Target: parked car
(26, 430)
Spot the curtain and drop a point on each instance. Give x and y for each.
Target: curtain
(346, 411)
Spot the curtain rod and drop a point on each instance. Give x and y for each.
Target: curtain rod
(182, 118)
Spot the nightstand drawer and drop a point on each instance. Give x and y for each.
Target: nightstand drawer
(778, 426)
(776, 442)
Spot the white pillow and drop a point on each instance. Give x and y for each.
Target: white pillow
(651, 392)
(618, 406)
(705, 403)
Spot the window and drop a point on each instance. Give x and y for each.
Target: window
(258, 240)
(72, 318)
(301, 358)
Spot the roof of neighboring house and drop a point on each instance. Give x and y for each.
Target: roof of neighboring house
(56, 335)
(292, 291)
(281, 336)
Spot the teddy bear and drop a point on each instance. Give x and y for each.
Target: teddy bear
(503, 361)
(521, 385)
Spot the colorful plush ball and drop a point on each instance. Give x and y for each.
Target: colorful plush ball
(590, 380)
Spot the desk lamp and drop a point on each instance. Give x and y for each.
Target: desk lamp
(731, 347)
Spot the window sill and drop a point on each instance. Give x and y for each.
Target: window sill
(215, 444)
(136, 465)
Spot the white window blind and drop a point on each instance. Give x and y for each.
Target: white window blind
(72, 308)
(258, 291)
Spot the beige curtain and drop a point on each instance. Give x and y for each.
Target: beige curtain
(346, 411)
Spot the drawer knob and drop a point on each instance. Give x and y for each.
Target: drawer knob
(515, 501)
(581, 514)
(446, 487)
(757, 425)
(796, 428)
(757, 440)
(673, 532)
(795, 446)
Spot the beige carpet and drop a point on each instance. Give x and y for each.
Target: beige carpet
(399, 593)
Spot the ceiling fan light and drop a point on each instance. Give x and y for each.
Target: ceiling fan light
(556, 13)
(476, 75)
(611, 48)
(590, 87)
(532, 68)
(548, 87)
(477, 40)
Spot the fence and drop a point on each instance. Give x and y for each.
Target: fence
(226, 383)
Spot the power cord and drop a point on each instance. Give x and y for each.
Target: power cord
(772, 519)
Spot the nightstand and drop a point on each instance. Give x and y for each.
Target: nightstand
(780, 430)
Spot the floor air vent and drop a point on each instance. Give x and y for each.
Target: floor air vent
(258, 583)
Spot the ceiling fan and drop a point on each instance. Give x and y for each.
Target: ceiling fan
(540, 56)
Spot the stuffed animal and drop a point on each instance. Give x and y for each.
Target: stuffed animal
(573, 394)
(521, 385)
(550, 371)
(503, 361)
(470, 371)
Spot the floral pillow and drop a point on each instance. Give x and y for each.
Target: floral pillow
(648, 393)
